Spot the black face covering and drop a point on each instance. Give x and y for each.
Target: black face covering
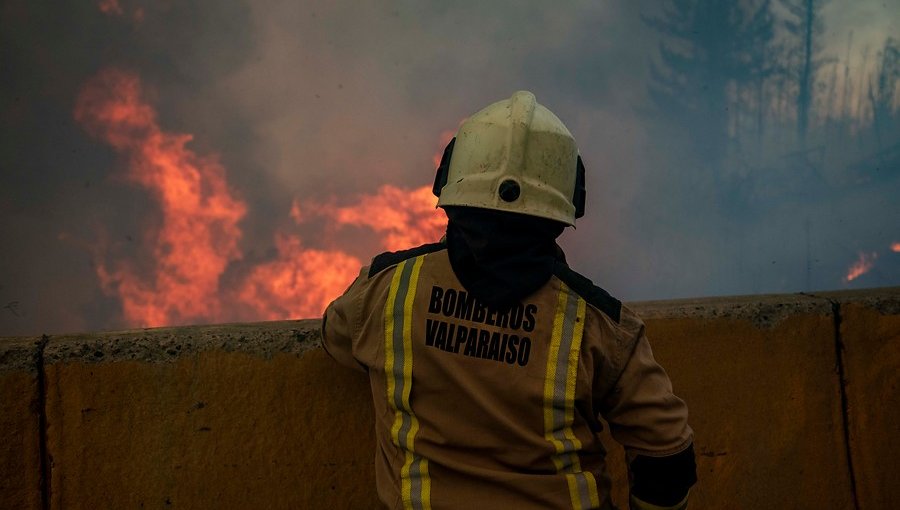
(501, 257)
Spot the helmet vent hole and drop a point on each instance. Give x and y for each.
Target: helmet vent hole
(509, 190)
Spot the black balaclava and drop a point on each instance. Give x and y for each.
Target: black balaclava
(501, 257)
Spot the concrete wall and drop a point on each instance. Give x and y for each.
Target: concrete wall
(793, 400)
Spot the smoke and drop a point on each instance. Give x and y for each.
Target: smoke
(313, 115)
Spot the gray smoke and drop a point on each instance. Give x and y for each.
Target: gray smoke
(312, 99)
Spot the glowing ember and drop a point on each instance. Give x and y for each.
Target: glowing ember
(895, 247)
(863, 264)
(199, 235)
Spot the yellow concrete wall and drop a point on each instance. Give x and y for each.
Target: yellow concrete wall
(764, 401)
(20, 455)
(236, 416)
(870, 334)
(257, 416)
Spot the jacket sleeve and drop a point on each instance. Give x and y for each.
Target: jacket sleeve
(341, 323)
(651, 423)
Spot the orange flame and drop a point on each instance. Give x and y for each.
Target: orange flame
(403, 217)
(895, 247)
(863, 265)
(199, 234)
(299, 283)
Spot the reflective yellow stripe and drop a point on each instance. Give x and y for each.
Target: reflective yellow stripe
(559, 397)
(573, 491)
(572, 372)
(550, 379)
(426, 486)
(389, 343)
(592, 489)
(415, 484)
(407, 337)
(424, 497)
(405, 481)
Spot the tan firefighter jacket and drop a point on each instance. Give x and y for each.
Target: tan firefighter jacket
(479, 409)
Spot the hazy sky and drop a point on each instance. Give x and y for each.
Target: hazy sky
(317, 102)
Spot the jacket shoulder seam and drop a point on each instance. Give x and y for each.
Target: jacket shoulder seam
(594, 295)
(392, 258)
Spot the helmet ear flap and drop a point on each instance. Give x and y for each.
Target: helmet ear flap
(443, 169)
(579, 197)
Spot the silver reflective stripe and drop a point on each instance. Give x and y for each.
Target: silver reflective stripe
(561, 403)
(559, 397)
(415, 484)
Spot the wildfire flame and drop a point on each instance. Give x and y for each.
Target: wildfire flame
(199, 236)
(863, 264)
(895, 247)
(414, 223)
(300, 282)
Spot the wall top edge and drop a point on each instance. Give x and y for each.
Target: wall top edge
(762, 311)
(295, 337)
(167, 344)
(20, 354)
(769, 309)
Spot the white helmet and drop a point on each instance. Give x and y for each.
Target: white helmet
(516, 156)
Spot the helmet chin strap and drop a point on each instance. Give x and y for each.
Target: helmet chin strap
(440, 178)
(580, 195)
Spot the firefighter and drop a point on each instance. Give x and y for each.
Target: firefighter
(490, 360)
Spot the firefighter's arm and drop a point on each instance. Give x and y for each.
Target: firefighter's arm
(341, 323)
(651, 423)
